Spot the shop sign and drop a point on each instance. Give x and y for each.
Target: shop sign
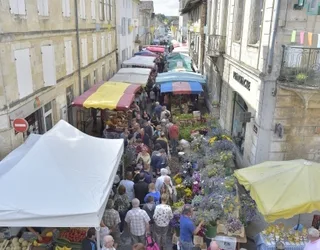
(31, 106)
(240, 79)
(20, 125)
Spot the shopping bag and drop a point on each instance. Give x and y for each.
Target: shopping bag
(151, 245)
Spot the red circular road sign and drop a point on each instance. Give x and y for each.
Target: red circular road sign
(20, 125)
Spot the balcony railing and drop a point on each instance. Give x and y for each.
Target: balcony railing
(300, 67)
(216, 45)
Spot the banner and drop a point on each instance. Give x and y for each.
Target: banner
(310, 38)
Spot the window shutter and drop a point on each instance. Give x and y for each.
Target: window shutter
(82, 9)
(14, 8)
(45, 8)
(48, 65)
(103, 45)
(314, 8)
(68, 8)
(40, 7)
(93, 9)
(84, 52)
(68, 57)
(21, 7)
(109, 42)
(94, 47)
(105, 9)
(23, 71)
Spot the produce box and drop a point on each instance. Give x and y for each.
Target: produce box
(197, 241)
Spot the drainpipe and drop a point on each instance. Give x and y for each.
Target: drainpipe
(276, 11)
(78, 44)
(203, 42)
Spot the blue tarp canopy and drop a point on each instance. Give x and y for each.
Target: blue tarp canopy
(181, 88)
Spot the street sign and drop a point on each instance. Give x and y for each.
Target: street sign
(20, 125)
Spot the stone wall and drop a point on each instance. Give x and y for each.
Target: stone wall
(301, 123)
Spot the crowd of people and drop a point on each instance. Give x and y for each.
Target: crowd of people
(141, 202)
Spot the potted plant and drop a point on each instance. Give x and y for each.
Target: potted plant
(210, 218)
(301, 78)
(175, 223)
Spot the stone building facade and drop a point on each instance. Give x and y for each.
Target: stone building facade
(146, 22)
(50, 53)
(265, 83)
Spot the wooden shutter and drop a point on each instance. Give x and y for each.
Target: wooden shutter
(23, 71)
(103, 45)
(14, 8)
(84, 48)
(68, 57)
(21, 7)
(93, 9)
(94, 47)
(48, 65)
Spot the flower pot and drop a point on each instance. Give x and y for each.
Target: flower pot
(211, 231)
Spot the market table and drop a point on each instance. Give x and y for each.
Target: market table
(262, 244)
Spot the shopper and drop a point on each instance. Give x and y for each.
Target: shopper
(138, 222)
(111, 219)
(187, 228)
(122, 205)
(89, 243)
(313, 235)
(149, 207)
(174, 137)
(145, 156)
(128, 184)
(108, 243)
(162, 216)
(152, 192)
(160, 180)
(141, 189)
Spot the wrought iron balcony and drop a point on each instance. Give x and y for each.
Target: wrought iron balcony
(216, 45)
(300, 67)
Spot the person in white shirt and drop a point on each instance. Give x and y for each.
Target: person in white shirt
(313, 235)
(108, 243)
(160, 179)
(128, 184)
(162, 216)
(138, 222)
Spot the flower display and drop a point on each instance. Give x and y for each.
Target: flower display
(188, 192)
(248, 210)
(233, 225)
(177, 179)
(175, 221)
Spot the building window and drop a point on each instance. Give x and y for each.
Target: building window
(129, 25)
(123, 26)
(255, 21)
(106, 10)
(103, 45)
(82, 9)
(84, 48)
(86, 83)
(70, 96)
(238, 21)
(48, 65)
(95, 76)
(238, 126)
(102, 6)
(23, 71)
(111, 7)
(93, 9)
(66, 8)
(123, 55)
(43, 8)
(94, 48)
(104, 72)
(68, 56)
(109, 10)
(18, 7)
(47, 116)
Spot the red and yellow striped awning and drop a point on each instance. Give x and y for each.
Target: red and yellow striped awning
(109, 95)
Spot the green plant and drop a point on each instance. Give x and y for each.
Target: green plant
(301, 77)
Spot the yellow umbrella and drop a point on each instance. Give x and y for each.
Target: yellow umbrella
(283, 189)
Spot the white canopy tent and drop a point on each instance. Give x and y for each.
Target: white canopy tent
(59, 179)
(139, 71)
(131, 78)
(142, 61)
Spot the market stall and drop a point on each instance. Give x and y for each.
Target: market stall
(140, 62)
(69, 175)
(205, 180)
(181, 88)
(107, 96)
(138, 71)
(280, 191)
(180, 76)
(137, 79)
(145, 53)
(156, 49)
(179, 62)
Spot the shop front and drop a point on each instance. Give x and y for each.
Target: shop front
(243, 113)
(38, 113)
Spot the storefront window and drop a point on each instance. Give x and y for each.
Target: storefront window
(238, 126)
(48, 119)
(35, 123)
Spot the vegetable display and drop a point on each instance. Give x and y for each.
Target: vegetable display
(73, 235)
